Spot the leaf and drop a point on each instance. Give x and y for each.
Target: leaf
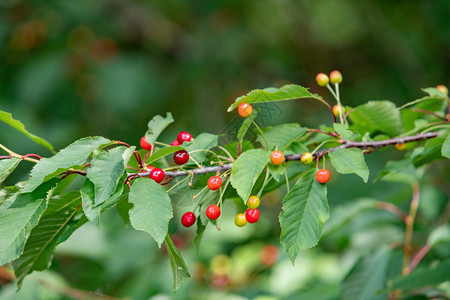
(246, 125)
(152, 209)
(439, 235)
(423, 276)
(344, 132)
(276, 171)
(367, 277)
(179, 269)
(199, 234)
(287, 92)
(399, 171)
(74, 154)
(201, 142)
(343, 214)
(156, 125)
(445, 147)
(305, 211)
(17, 221)
(246, 170)
(7, 166)
(374, 116)
(163, 152)
(351, 160)
(281, 136)
(38, 251)
(93, 212)
(106, 170)
(8, 119)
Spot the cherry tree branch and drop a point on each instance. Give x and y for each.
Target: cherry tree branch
(345, 144)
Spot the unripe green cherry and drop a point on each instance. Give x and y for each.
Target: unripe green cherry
(240, 220)
(335, 77)
(306, 158)
(322, 79)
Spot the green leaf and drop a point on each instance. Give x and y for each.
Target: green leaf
(399, 171)
(351, 160)
(343, 214)
(374, 116)
(199, 234)
(246, 125)
(344, 132)
(367, 277)
(38, 251)
(423, 276)
(305, 211)
(17, 221)
(439, 235)
(8, 119)
(246, 170)
(74, 154)
(152, 209)
(163, 152)
(7, 166)
(276, 171)
(287, 92)
(281, 136)
(202, 141)
(156, 125)
(445, 147)
(179, 269)
(106, 170)
(93, 212)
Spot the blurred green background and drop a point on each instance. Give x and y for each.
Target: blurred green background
(70, 69)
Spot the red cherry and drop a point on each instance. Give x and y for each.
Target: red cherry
(184, 137)
(188, 219)
(252, 215)
(181, 157)
(214, 182)
(323, 175)
(144, 144)
(175, 143)
(213, 212)
(157, 175)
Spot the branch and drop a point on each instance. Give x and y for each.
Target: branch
(292, 157)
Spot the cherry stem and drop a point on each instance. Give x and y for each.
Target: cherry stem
(321, 131)
(429, 113)
(409, 220)
(121, 143)
(418, 257)
(393, 209)
(293, 157)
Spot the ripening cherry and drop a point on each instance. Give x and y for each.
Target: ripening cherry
(335, 77)
(252, 215)
(277, 157)
(401, 147)
(442, 88)
(214, 182)
(337, 110)
(213, 212)
(253, 202)
(306, 158)
(240, 220)
(245, 109)
(175, 143)
(323, 175)
(149, 168)
(144, 144)
(181, 157)
(157, 175)
(188, 219)
(184, 137)
(322, 79)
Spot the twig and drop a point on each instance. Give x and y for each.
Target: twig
(418, 257)
(393, 209)
(293, 157)
(321, 131)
